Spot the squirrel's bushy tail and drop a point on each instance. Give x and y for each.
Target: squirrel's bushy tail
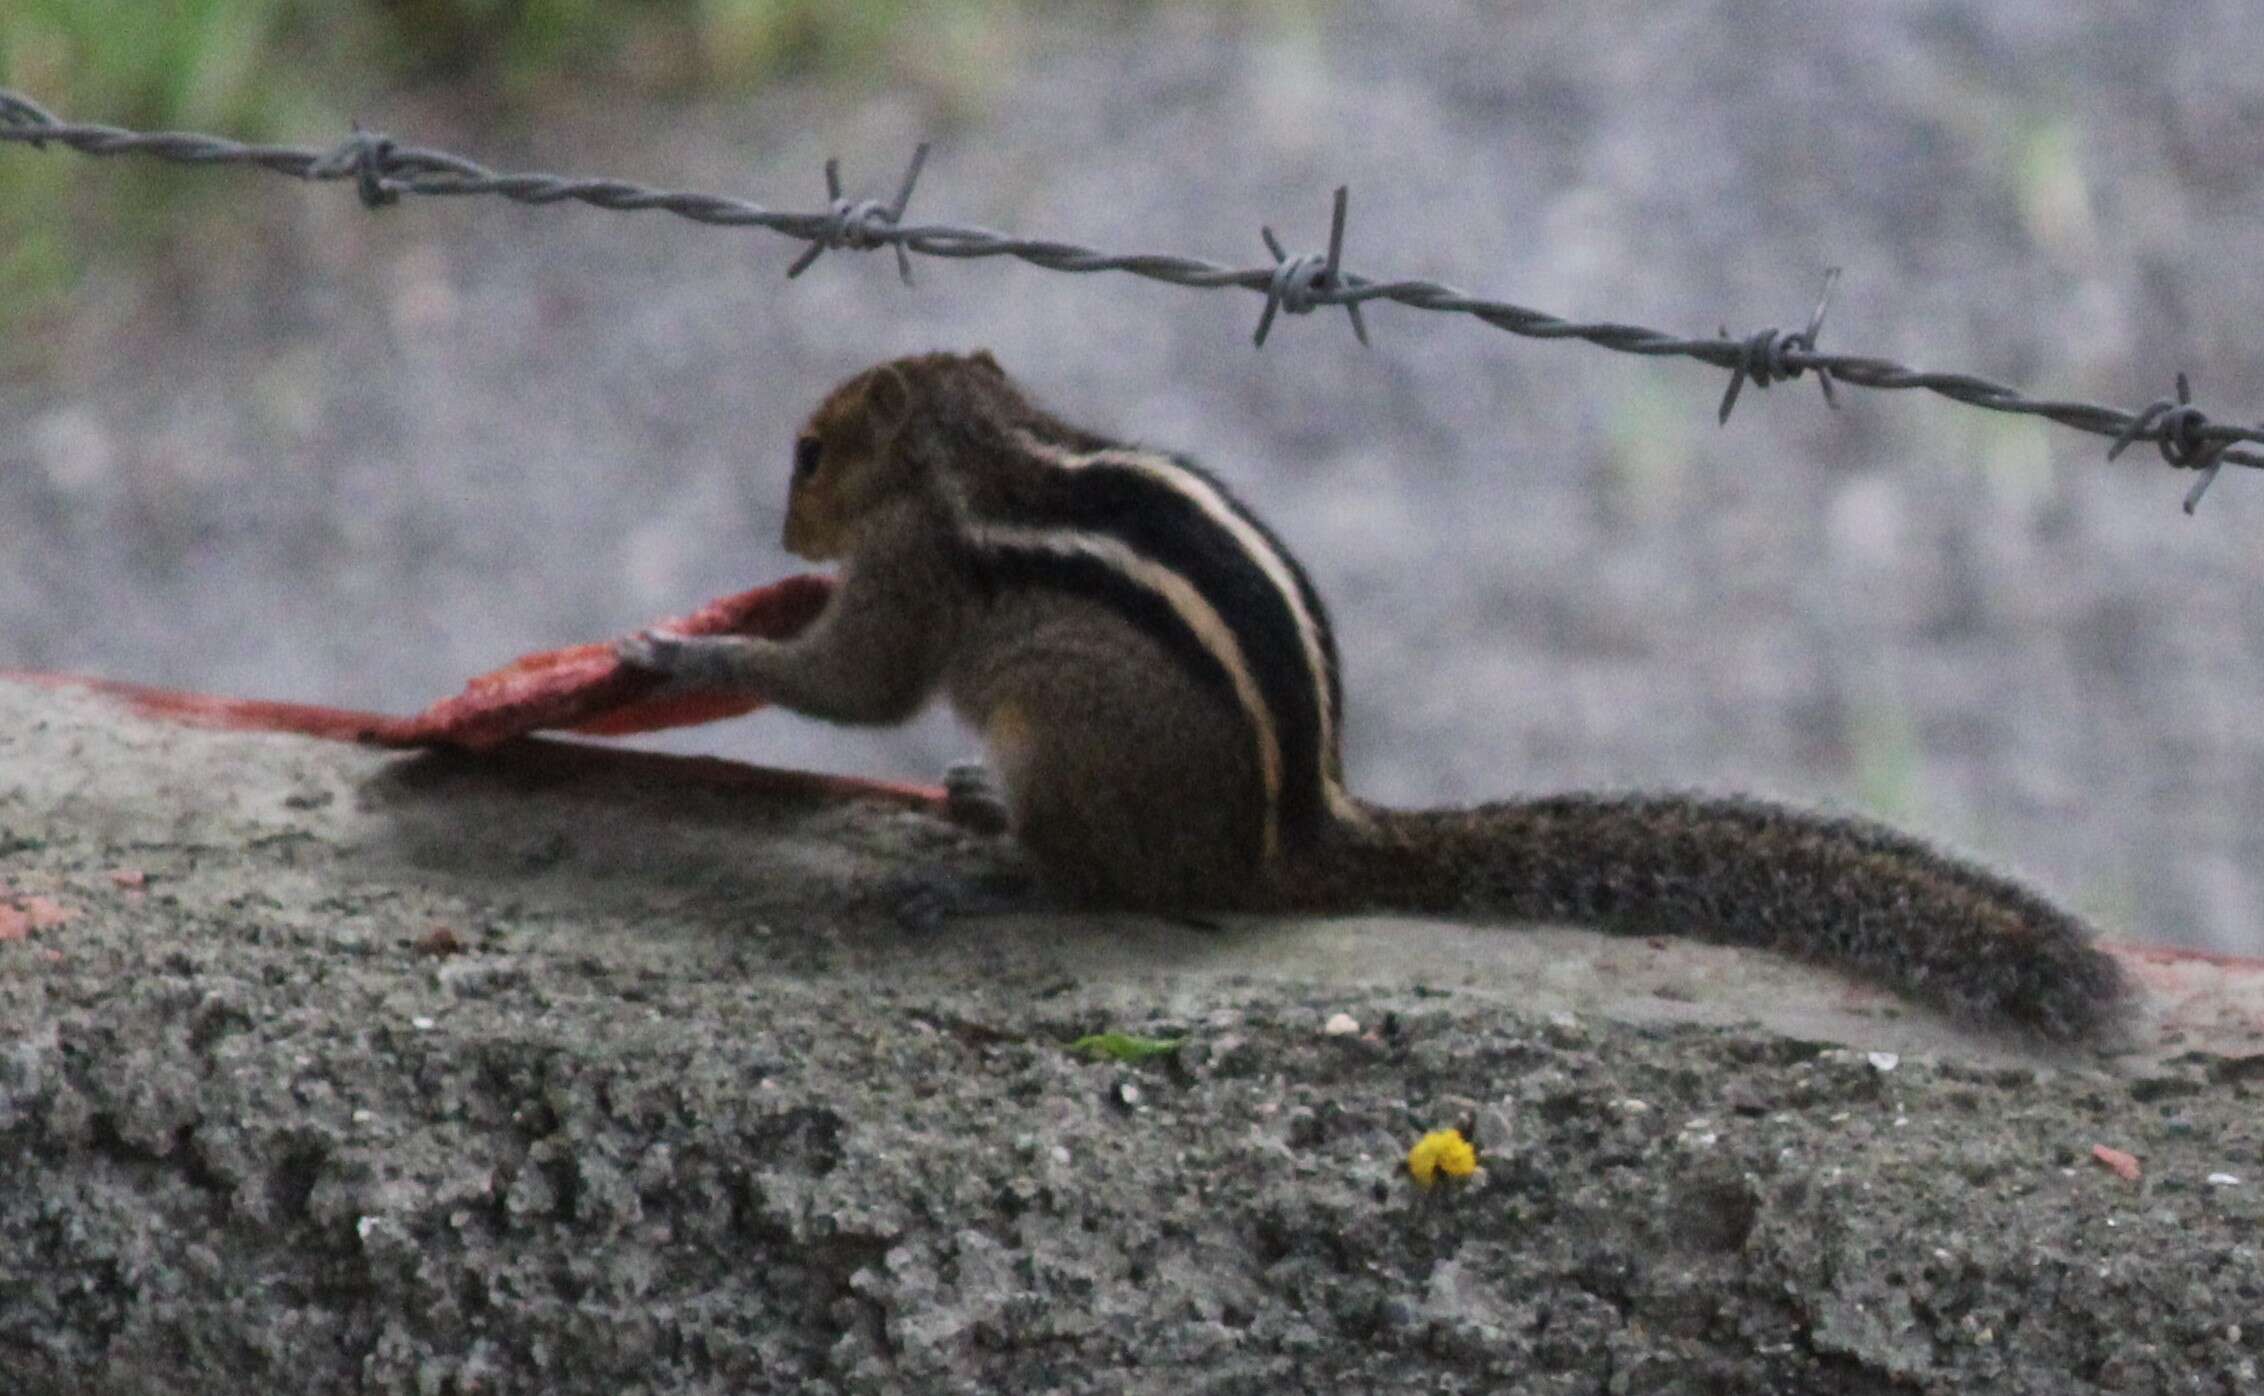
(1844, 891)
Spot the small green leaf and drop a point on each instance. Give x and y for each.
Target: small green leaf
(1123, 1046)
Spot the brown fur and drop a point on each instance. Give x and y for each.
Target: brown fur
(1133, 785)
(1841, 890)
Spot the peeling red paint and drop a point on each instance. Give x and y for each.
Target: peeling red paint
(2125, 1166)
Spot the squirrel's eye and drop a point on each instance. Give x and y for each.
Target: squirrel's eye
(806, 454)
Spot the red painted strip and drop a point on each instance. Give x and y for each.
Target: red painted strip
(581, 688)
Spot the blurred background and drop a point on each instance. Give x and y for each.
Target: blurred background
(256, 440)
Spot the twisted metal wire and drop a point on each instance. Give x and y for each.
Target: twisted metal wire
(383, 170)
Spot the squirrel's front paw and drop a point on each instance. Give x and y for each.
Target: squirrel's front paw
(657, 650)
(697, 659)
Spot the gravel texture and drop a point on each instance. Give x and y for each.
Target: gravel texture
(329, 1071)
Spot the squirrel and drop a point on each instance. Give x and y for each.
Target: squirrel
(1157, 688)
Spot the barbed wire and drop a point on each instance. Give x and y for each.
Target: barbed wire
(384, 169)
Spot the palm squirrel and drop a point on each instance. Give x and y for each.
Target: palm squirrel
(1155, 682)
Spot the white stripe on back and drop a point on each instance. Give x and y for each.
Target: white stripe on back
(1254, 545)
(1202, 619)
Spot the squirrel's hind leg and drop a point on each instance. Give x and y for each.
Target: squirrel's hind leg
(1127, 800)
(974, 799)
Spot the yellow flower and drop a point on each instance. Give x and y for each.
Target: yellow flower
(1441, 1151)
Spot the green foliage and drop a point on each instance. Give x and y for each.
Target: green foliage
(204, 63)
(296, 70)
(36, 264)
(201, 64)
(1124, 1046)
(527, 48)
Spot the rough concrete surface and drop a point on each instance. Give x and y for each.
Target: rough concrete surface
(680, 1102)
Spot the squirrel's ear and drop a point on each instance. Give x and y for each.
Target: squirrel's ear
(981, 358)
(888, 397)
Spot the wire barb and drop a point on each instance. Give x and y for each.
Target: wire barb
(863, 224)
(2179, 428)
(1295, 285)
(1300, 283)
(1766, 357)
(365, 155)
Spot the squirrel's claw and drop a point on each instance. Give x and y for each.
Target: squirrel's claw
(715, 661)
(647, 649)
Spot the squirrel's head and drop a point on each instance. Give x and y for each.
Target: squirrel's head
(875, 439)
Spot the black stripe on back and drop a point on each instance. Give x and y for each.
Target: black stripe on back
(1008, 566)
(1161, 523)
(1306, 593)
